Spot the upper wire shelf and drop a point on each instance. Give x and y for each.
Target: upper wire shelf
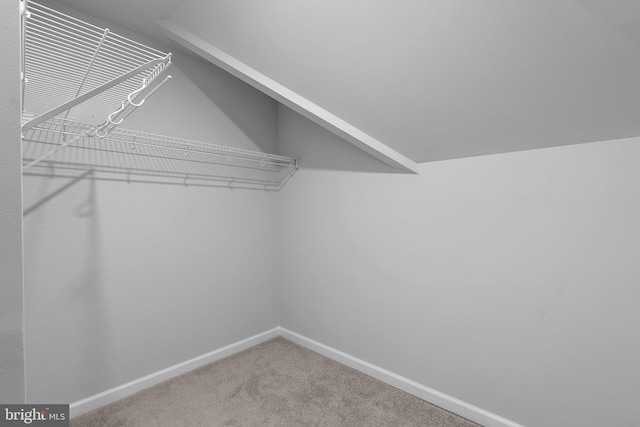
(71, 68)
(127, 155)
(80, 81)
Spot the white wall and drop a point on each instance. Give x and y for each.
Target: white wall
(507, 281)
(11, 300)
(124, 280)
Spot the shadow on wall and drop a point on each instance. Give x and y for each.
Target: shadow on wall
(44, 198)
(318, 148)
(63, 275)
(255, 114)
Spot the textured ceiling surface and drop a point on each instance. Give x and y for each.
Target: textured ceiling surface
(624, 15)
(134, 15)
(434, 79)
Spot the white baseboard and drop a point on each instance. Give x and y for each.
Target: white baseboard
(440, 399)
(94, 402)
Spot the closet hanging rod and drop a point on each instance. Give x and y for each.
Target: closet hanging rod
(199, 162)
(229, 183)
(222, 156)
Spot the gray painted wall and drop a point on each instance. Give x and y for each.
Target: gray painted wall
(507, 281)
(11, 301)
(122, 280)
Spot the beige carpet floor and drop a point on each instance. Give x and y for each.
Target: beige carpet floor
(276, 383)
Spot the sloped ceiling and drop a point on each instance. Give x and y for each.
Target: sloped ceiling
(135, 15)
(434, 79)
(624, 15)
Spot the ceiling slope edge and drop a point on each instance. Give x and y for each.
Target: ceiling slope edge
(286, 96)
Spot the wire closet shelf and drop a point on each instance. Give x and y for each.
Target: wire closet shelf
(71, 68)
(132, 156)
(80, 82)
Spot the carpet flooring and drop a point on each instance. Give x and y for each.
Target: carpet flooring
(276, 383)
